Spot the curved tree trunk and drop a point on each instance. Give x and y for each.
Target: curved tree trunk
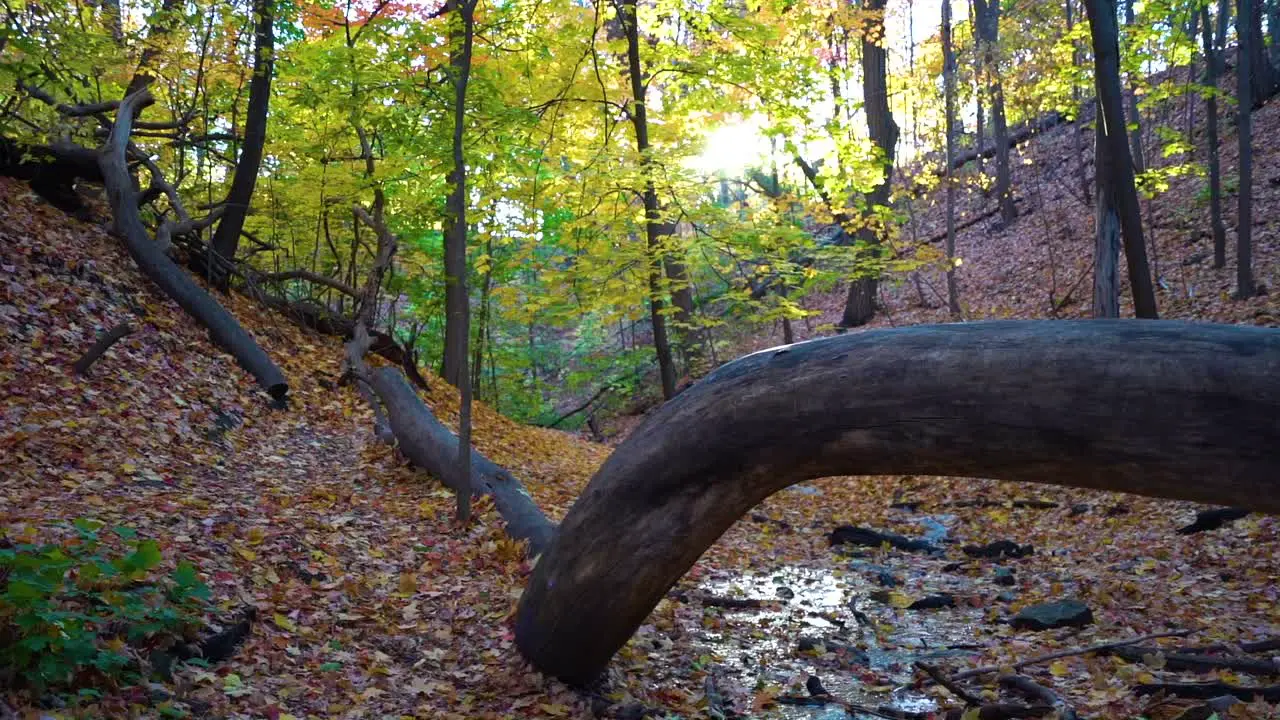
(226, 239)
(1167, 409)
(223, 328)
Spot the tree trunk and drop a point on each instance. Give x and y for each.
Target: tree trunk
(223, 328)
(1082, 176)
(988, 25)
(1273, 29)
(949, 101)
(1262, 75)
(980, 130)
(859, 306)
(1244, 127)
(687, 335)
(653, 226)
(1135, 117)
(1025, 401)
(456, 311)
(227, 237)
(456, 249)
(1106, 254)
(429, 445)
(1212, 58)
(1113, 172)
(161, 24)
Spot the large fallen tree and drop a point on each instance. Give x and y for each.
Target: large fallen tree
(1167, 409)
(152, 259)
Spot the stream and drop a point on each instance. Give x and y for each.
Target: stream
(853, 611)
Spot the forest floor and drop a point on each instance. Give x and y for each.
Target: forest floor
(372, 604)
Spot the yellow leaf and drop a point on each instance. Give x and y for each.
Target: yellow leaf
(272, 576)
(256, 535)
(1059, 669)
(555, 709)
(283, 622)
(408, 583)
(900, 600)
(247, 554)
(128, 468)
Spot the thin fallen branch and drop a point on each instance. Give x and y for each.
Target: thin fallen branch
(932, 671)
(104, 343)
(1195, 662)
(1047, 657)
(1210, 690)
(1264, 645)
(1039, 694)
(312, 277)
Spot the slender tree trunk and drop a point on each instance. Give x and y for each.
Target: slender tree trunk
(1273, 30)
(457, 316)
(1082, 176)
(988, 25)
(652, 217)
(484, 331)
(860, 303)
(1113, 164)
(161, 25)
(1262, 75)
(687, 335)
(1212, 58)
(457, 251)
(1134, 117)
(1224, 18)
(977, 90)
(226, 238)
(949, 93)
(1244, 127)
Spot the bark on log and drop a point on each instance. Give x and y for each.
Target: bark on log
(1165, 409)
(431, 446)
(223, 328)
(104, 343)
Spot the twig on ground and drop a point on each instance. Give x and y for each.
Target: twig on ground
(1038, 659)
(1040, 694)
(969, 698)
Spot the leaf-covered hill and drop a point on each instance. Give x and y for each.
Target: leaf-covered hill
(370, 603)
(1041, 265)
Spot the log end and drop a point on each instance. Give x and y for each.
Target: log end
(278, 391)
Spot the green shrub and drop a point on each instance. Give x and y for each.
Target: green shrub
(72, 612)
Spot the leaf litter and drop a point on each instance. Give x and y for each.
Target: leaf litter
(371, 603)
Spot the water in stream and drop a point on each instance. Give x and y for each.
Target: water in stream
(849, 610)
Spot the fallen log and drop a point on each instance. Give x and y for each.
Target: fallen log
(1018, 136)
(224, 329)
(431, 446)
(1160, 408)
(104, 343)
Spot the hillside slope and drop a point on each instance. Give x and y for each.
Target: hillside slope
(1041, 265)
(372, 604)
